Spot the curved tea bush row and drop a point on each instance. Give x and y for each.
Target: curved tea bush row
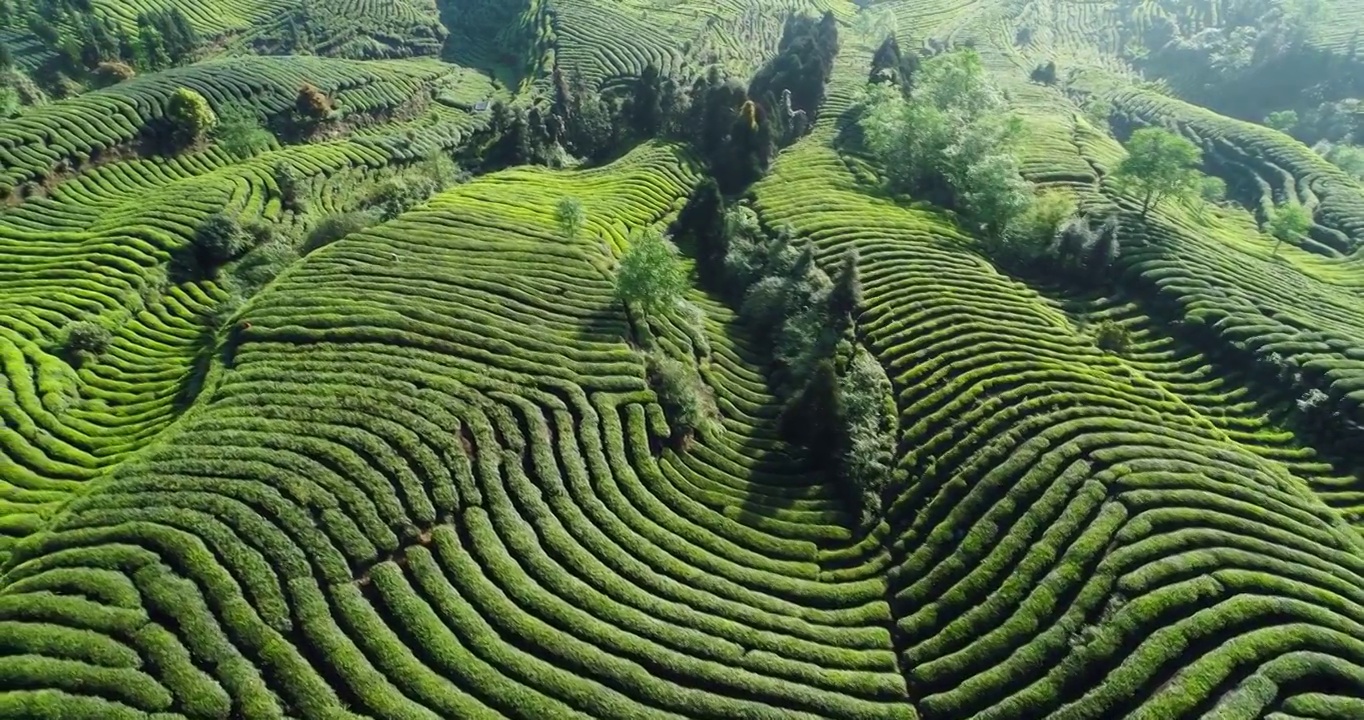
(423, 487)
(71, 132)
(68, 427)
(1075, 542)
(92, 249)
(600, 43)
(605, 42)
(356, 29)
(1251, 412)
(28, 50)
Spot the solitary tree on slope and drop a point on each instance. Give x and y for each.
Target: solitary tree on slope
(1290, 221)
(570, 216)
(651, 277)
(1159, 165)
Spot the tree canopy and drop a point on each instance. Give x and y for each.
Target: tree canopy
(651, 276)
(240, 133)
(1159, 165)
(190, 115)
(953, 133)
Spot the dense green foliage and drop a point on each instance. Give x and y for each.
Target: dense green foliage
(570, 216)
(651, 278)
(190, 115)
(239, 132)
(954, 134)
(1289, 222)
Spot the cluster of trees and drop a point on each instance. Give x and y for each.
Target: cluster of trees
(237, 128)
(406, 190)
(891, 67)
(950, 140)
(837, 396)
(651, 281)
(94, 48)
(736, 128)
(1257, 57)
(943, 132)
(163, 38)
(791, 86)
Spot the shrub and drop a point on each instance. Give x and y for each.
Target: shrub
(286, 179)
(1113, 337)
(190, 115)
(1213, 189)
(9, 102)
(219, 239)
(312, 104)
(1283, 120)
(1045, 73)
(1048, 213)
(1289, 222)
(270, 256)
(112, 73)
(392, 198)
(684, 398)
(335, 227)
(1346, 157)
(86, 339)
(239, 131)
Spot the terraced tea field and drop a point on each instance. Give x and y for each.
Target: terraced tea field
(405, 452)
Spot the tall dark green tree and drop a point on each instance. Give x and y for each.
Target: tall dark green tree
(890, 66)
(799, 72)
(815, 417)
(651, 101)
(701, 225)
(846, 293)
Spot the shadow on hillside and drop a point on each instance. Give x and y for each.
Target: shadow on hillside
(606, 323)
(204, 348)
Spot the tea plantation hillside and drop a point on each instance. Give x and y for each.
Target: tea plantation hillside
(917, 359)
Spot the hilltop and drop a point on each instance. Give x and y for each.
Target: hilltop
(921, 359)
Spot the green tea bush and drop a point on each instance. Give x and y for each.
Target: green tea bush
(84, 338)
